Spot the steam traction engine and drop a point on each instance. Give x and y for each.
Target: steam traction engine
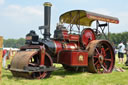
(76, 51)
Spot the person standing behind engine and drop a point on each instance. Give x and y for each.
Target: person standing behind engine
(121, 51)
(126, 63)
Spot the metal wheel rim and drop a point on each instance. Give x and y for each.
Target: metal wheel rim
(104, 64)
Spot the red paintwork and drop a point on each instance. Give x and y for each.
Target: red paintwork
(58, 46)
(72, 58)
(70, 46)
(87, 36)
(73, 37)
(101, 18)
(65, 34)
(103, 52)
(42, 55)
(70, 37)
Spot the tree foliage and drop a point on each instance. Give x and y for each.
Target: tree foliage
(14, 43)
(118, 37)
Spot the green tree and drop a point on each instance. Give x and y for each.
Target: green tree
(15, 43)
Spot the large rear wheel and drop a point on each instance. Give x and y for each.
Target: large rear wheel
(101, 56)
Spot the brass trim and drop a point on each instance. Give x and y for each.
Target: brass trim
(81, 58)
(47, 4)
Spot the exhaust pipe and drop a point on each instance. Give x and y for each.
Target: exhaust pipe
(47, 18)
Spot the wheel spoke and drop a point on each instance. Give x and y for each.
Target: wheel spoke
(106, 49)
(96, 62)
(43, 74)
(33, 64)
(105, 65)
(98, 68)
(107, 59)
(39, 75)
(104, 68)
(97, 51)
(96, 56)
(103, 52)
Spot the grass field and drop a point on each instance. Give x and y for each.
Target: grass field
(62, 77)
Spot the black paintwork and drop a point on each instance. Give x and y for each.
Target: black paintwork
(47, 16)
(49, 46)
(34, 39)
(58, 32)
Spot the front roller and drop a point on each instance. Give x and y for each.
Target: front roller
(101, 56)
(27, 64)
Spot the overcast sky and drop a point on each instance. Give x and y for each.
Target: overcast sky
(18, 17)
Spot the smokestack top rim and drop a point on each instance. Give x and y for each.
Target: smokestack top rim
(47, 4)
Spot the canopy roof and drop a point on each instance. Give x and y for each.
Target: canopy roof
(82, 17)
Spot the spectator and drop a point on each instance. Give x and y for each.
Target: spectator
(126, 63)
(121, 51)
(4, 52)
(4, 59)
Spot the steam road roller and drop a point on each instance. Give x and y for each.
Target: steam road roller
(75, 45)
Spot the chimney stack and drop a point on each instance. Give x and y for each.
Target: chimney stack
(47, 18)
